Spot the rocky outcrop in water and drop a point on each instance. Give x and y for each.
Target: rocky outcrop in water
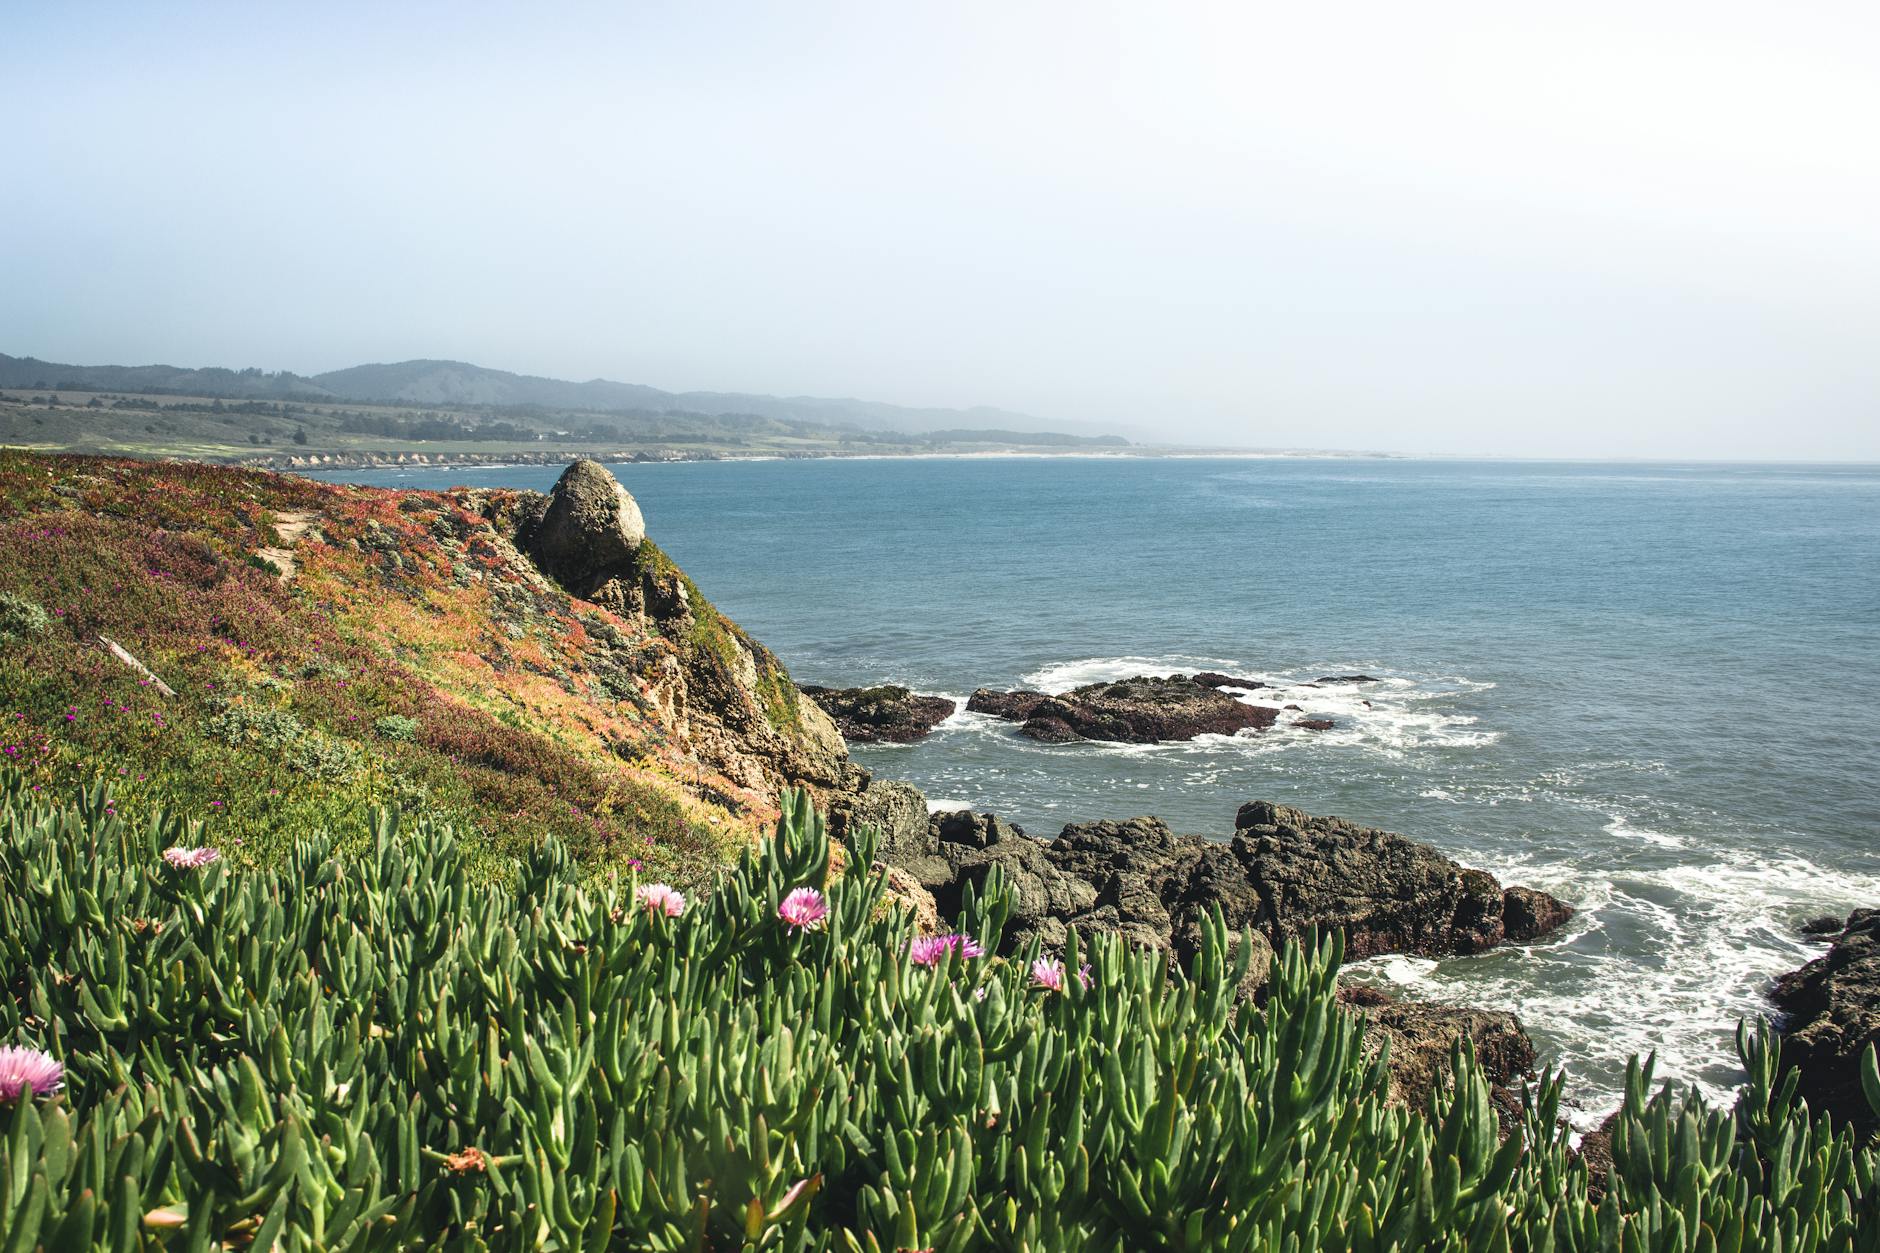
(1831, 1010)
(884, 713)
(1386, 893)
(1285, 875)
(1208, 678)
(1139, 710)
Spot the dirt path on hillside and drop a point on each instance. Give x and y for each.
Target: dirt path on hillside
(289, 526)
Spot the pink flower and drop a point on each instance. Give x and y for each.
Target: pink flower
(662, 898)
(1048, 973)
(931, 950)
(28, 1072)
(804, 908)
(191, 858)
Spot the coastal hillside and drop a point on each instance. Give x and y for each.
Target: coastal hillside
(268, 655)
(432, 382)
(426, 412)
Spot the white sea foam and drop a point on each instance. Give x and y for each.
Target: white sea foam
(1662, 959)
(1398, 714)
(1062, 676)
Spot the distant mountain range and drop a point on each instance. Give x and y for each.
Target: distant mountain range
(457, 384)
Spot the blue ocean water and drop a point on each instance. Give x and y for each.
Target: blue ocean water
(1653, 690)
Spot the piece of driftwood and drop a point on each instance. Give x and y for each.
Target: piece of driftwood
(117, 650)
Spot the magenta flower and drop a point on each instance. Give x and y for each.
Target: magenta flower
(804, 908)
(28, 1072)
(191, 858)
(931, 950)
(662, 898)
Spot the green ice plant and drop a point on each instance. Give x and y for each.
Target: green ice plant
(367, 1049)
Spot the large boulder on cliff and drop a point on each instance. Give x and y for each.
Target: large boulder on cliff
(591, 529)
(1140, 710)
(885, 713)
(1831, 1011)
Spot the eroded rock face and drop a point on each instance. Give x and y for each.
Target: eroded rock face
(719, 693)
(1140, 710)
(1286, 875)
(1832, 1017)
(884, 713)
(897, 812)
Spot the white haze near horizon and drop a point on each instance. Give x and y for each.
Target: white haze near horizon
(1609, 229)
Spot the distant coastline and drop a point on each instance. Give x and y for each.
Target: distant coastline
(391, 461)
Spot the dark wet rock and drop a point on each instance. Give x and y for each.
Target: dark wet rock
(1421, 1035)
(1015, 706)
(884, 713)
(1826, 926)
(1385, 893)
(1047, 727)
(1596, 1152)
(1527, 914)
(1208, 678)
(1314, 724)
(1140, 710)
(1347, 678)
(1831, 1011)
(1298, 709)
(1285, 875)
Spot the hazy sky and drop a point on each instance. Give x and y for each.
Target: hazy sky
(1618, 229)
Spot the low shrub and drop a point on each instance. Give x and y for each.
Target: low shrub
(20, 617)
(376, 1052)
(396, 727)
(261, 726)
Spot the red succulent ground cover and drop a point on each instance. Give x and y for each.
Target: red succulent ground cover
(413, 659)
